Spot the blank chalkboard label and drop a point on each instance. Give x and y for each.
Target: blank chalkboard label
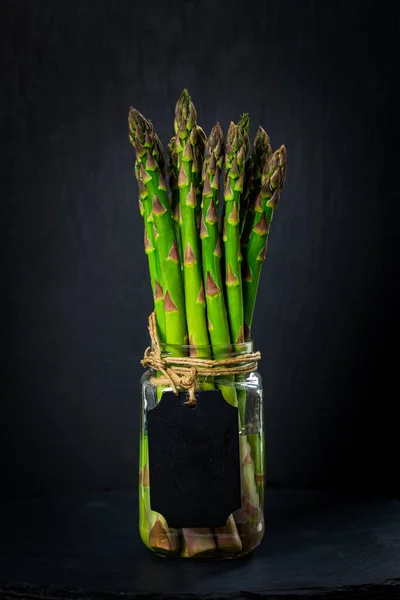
(194, 459)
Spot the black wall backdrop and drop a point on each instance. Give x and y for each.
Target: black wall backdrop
(319, 77)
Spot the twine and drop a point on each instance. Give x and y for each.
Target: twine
(183, 372)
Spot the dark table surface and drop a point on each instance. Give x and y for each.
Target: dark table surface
(88, 546)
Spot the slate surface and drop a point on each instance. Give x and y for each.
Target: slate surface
(315, 543)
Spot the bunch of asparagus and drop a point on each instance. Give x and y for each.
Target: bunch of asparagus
(204, 272)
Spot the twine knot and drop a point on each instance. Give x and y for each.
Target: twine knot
(183, 372)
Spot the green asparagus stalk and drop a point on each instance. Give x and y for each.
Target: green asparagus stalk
(137, 137)
(244, 126)
(237, 147)
(189, 145)
(217, 318)
(186, 141)
(249, 518)
(218, 325)
(153, 527)
(172, 169)
(251, 495)
(261, 153)
(152, 177)
(272, 180)
(259, 158)
(227, 537)
(235, 157)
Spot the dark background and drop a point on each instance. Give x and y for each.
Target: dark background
(320, 77)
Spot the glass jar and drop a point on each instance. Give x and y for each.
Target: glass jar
(206, 498)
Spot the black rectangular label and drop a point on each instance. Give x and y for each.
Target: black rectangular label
(194, 459)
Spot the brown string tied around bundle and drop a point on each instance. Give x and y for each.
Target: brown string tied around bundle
(184, 372)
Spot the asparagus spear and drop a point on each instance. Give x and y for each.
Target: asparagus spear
(210, 242)
(227, 537)
(172, 169)
(152, 177)
(268, 178)
(186, 140)
(272, 180)
(189, 145)
(235, 156)
(153, 528)
(137, 137)
(217, 318)
(235, 170)
(249, 518)
(261, 152)
(254, 168)
(244, 126)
